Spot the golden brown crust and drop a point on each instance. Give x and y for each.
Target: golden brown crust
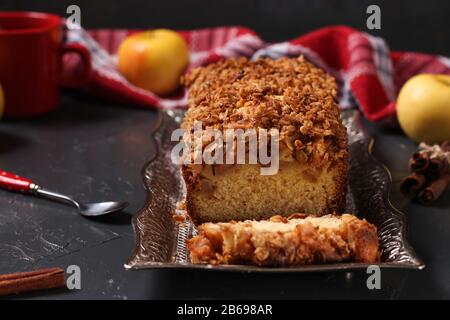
(285, 242)
(190, 209)
(337, 201)
(288, 94)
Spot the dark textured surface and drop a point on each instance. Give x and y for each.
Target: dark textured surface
(96, 151)
(407, 25)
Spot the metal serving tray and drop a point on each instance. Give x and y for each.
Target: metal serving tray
(161, 241)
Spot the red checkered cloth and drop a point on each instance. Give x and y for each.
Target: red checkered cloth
(368, 73)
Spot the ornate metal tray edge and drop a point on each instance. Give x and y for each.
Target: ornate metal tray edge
(160, 241)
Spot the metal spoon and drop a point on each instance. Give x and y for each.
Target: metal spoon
(13, 182)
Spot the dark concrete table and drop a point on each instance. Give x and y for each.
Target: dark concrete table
(95, 151)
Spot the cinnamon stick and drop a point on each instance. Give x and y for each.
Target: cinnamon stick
(434, 190)
(411, 185)
(445, 146)
(31, 281)
(430, 176)
(437, 167)
(419, 161)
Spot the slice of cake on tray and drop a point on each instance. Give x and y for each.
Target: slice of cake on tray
(290, 95)
(280, 241)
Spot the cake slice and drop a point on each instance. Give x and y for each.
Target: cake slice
(290, 95)
(280, 241)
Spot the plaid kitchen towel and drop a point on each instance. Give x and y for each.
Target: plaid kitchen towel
(368, 73)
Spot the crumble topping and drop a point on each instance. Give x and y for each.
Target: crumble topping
(288, 94)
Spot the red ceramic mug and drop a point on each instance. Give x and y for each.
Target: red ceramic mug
(31, 52)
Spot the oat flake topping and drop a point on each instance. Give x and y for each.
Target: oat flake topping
(289, 94)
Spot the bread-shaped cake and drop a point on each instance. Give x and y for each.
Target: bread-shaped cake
(281, 241)
(290, 95)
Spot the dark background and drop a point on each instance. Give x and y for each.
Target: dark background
(95, 150)
(406, 25)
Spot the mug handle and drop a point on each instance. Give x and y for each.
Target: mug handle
(85, 57)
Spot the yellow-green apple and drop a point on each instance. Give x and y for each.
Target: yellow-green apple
(154, 60)
(423, 108)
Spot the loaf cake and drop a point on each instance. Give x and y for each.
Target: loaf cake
(287, 94)
(280, 241)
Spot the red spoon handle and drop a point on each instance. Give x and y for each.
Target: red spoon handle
(11, 181)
